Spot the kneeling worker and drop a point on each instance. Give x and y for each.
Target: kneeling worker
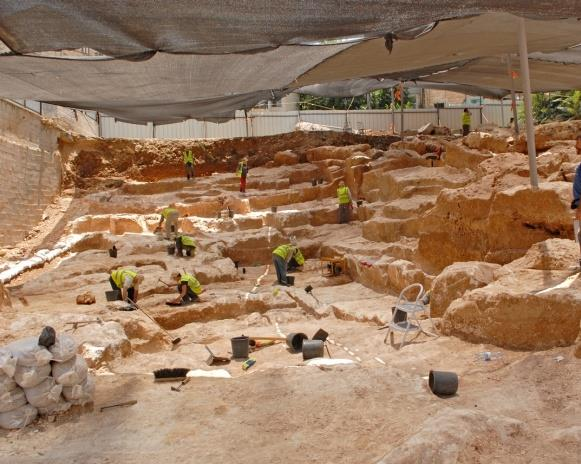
(128, 282)
(188, 286)
(183, 242)
(170, 215)
(281, 256)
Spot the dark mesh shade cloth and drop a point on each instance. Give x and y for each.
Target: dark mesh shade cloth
(129, 27)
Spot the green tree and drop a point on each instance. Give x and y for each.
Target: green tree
(380, 100)
(555, 106)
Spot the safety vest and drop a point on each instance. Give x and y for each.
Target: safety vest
(188, 157)
(192, 282)
(119, 275)
(167, 211)
(343, 195)
(300, 259)
(283, 251)
(239, 169)
(187, 241)
(466, 119)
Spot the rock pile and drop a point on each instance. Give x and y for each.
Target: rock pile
(35, 379)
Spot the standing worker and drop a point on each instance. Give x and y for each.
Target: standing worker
(128, 282)
(281, 256)
(170, 215)
(189, 161)
(183, 242)
(188, 286)
(466, 122)
(242, 172)
(345, 203)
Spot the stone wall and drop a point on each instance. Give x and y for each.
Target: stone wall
(31, 170)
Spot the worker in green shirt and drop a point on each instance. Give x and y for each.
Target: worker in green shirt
(345, 203)
(189, 162)
(185, 243)
(281, 256)
(127, 282)
(170, 215)
(466, 122)
(188, 286)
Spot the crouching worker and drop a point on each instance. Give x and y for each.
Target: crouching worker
(170, 215)
(127, 282)
(188, 286)
(281, 256)
(183, 242)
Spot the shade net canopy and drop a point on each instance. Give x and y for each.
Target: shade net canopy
(121, 28)
(358, 87)
(172, 87)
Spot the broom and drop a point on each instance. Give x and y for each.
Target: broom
(174, 341)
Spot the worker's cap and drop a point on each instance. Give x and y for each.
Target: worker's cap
(293, 240)
(175, 275)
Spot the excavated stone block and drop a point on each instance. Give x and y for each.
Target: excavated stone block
(460, 157)
(455, 280)
(330, 152)
(388, 230)
(102, 343)
(484, 141)
(524, 310)
(410, 143)
(285, 158)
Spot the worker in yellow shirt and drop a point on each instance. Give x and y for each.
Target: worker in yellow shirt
(185, 243)
(345, 203)
(466, 122)
(170, 215)
(189, 162)
(127, 281)
(188, 286)
(281, 256)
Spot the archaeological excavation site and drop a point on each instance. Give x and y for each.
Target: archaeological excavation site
(333, 232)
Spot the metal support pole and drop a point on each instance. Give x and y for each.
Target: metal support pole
(513, 96)
(393, 111)
(502, 112)
(401, 108)
(526, 84)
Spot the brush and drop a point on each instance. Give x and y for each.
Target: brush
(172, 374)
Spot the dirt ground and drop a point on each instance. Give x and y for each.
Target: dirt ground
(521, 407)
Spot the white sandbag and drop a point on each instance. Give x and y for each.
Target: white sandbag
(82, 393)
(64, 348)
(19, 417)
(12, 400)
(28, 377)
(56, 408)
(29, 353)
(71, 372)
(7, 362)
(45, 394)
(7, 384)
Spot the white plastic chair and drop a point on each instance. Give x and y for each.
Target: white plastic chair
(405, 314)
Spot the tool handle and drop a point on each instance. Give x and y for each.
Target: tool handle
(268, 338)
(118, 405)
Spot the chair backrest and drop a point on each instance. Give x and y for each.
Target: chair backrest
(407, 294)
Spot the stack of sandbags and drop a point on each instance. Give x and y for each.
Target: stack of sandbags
(41, 376)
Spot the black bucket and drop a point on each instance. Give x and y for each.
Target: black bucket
(273, 209)
(240, 347)
(290, 280)
(313, 349)
(314, 182)
(443, 383)
(295, 341)
(113, 252)
(113, 295)
(320, 335)
(359, 202)
(171, 249)
(321, 181)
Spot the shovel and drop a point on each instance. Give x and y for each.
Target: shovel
(174, 341)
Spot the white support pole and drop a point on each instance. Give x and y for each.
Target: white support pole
(526, 83)
(513, 95)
